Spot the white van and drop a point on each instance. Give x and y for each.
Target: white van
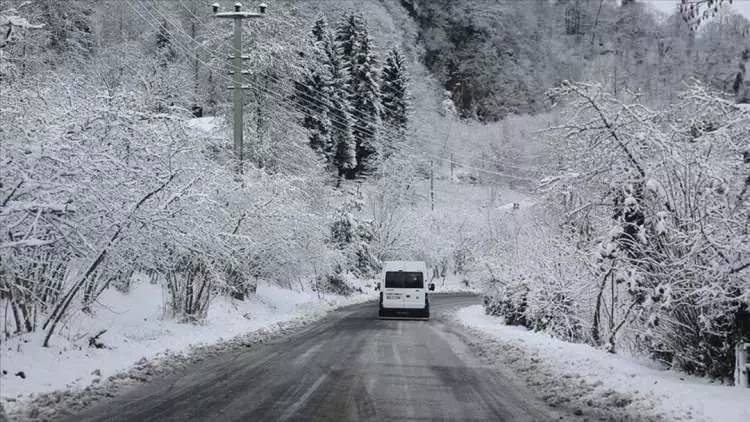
(403, 291)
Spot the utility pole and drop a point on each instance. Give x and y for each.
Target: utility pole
(432, 187)
(453, 164)
(238, 94)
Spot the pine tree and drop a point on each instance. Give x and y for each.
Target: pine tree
(320, 28)
(740, 86)
(69, 25)
(356, 51)
(344, 154)
(321, 96)
(164, 42)
(311, 99)
(394, 94)
(347, 32)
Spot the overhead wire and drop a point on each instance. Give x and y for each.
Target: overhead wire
(185, 49)
(299, 68)
(309, 112)
(353, 113)
(215, 36)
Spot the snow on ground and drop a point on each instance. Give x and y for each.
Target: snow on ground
(137, 333)
(208, 125)
(516, 206)
(455, 284)
(591, 382)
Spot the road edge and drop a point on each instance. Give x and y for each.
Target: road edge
(575, 396)
(64, 403)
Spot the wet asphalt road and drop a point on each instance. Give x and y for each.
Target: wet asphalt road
(350, 366)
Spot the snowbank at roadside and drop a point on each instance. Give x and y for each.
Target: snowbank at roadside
(594, 383)
(136, 330)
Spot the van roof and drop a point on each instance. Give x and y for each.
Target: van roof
(404, 266)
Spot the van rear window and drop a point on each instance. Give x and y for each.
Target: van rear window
(404, 280)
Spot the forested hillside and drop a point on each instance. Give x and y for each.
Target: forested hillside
(501, 57)
(117, 162)
(584, 162)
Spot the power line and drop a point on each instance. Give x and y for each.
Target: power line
(354, 113)
(182, 47)
(186, 50)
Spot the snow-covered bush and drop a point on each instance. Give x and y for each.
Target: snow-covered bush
(641, 241)
(536, 279)
(104, 179)
(662, 195)
(353, 236)
(510, 301)
(335, 282)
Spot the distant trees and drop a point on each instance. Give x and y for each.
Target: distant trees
(739, 86)
(338, 94)
(395, 94)
(355, 46)
(720, 48)
(43, 33)
(313, 91)
(696, 12)
(342, 123)
(495, 58)
(322, 98)
(68, 25)
(500, 58)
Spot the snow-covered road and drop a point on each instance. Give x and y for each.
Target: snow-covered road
(349, 366)
(460, 365)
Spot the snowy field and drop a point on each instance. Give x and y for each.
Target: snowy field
(594, 383)
(136, 332)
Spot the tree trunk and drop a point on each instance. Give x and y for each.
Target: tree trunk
(595, 335)
(613, 334)
(189, 292)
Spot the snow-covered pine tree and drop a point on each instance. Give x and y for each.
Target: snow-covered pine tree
(394, 95)
(355, 48)
(366, 102)
(320, 28)
(164, 43)
(68, 24)
(342, 136)
(740, 86)
(311, 97)
(345, 153)
(346, 34)
(322, 97)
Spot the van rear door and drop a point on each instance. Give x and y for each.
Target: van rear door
(393, 292)
(414, 290)
(404, 289)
